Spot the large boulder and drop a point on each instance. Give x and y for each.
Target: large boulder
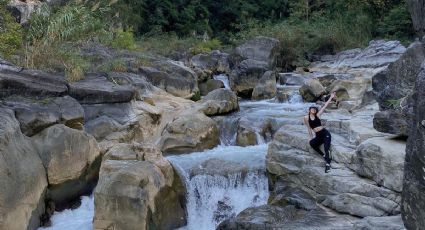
(311, 90)
(174, 85)
(417, 9)
(207, 64)
(393, 86)
(69, 157)
(413, 197)
(260, 48)
(266, 86)
(97, 88)
(34, 116)
(188, 133)
(219, 101)
(244, 78)
(31, 83)
(172, 76)
(138, 189)
(382, 160)
(23, 181)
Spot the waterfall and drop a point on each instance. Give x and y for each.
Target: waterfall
(224, 78)
(213, 197)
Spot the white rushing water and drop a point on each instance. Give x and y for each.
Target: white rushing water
(224, 78)
(77, 219)
(213, 197)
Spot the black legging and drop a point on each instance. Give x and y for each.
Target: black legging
(322, 137)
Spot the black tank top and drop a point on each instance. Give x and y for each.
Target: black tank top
(314, 123)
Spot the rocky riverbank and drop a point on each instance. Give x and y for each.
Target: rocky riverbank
(110, 131)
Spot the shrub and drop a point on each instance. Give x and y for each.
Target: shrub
(123, 39)
(206, 46)
(10, 32)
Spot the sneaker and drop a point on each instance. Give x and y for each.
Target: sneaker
(327, 168)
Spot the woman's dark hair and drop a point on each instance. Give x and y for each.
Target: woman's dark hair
(313, 107)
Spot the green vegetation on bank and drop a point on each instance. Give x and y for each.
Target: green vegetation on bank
(53, 37)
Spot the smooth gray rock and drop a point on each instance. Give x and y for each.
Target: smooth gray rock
(260, 48)
(101, 127)
(311, 90)
(266, 86)
(362, 206)
(210, 85)
(23, 181)
(171, 83)
(393, 85)
(69, 157)
(382, 160)
(413, 196)
(244, 78)
(97, 89)
(36, 115)
(379, 53)
(286, 217)
(189, 133)
(380, 223)
(219, 101)
(207, 64)
(31, 83)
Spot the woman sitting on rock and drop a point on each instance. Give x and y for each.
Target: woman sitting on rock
(322, 136)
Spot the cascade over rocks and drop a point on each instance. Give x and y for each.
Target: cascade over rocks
(22, 177)
(393, 87)
(413, 197)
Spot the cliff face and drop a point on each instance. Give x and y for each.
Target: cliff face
(413, 198)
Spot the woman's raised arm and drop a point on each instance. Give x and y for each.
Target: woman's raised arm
(326, 104)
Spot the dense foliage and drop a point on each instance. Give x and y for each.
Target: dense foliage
(306, 28)
(10, 32)
(220, 18)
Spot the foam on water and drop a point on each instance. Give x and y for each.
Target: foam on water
(77, 219)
